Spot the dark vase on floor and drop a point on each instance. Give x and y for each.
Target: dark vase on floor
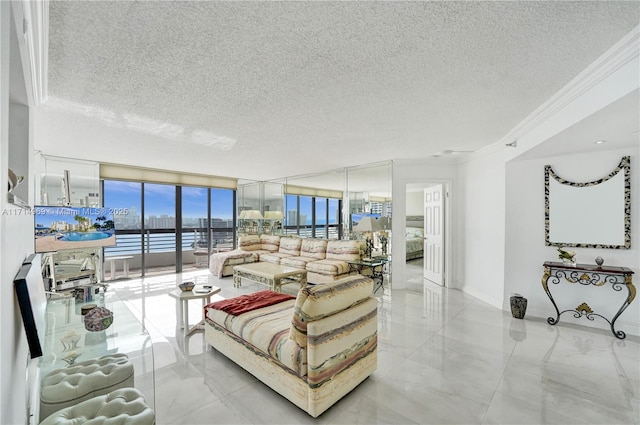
(518, 306)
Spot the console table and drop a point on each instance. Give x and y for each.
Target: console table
(586, 275)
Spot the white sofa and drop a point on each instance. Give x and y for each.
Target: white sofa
(325, 260)
(312, 350)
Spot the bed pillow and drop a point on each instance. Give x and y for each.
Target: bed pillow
(414, 232)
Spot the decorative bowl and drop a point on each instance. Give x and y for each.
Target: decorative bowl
(187, 286)
(98, 319)
(87, 308)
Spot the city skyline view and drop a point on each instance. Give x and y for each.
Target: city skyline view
(160, 199)
(160, 204)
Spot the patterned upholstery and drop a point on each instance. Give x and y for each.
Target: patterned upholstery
(290, 246)
(314, 248)
(297, 262)
(273, 257)
(249, 243)
(270, 243)
(325, 261)
(266, 329)
(343, 250)
(329, 267)
(319, 301)
(222, 262)
(310, 250)
(334, 340)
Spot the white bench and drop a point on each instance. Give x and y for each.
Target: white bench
(112, 265)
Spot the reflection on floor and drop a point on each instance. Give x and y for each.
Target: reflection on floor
(444, 357)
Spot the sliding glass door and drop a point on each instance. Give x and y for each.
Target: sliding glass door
(166, 228)
(159, 228)
(195, 232)
(125, 200)
(222, 225)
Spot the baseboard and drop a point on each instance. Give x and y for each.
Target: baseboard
(482, 296)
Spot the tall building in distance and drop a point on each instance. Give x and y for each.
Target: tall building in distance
(292, 218)
(162, 222)
(382, 208)
(129, 220)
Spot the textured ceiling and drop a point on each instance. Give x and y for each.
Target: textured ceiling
(263, 90)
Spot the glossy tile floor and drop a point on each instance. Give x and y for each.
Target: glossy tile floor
(444, 358)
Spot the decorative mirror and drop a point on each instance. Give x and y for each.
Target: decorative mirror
(596, 214)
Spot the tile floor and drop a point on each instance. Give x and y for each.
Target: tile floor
(444, 358)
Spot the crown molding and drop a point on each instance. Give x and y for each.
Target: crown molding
(32, 23)
(618, 56)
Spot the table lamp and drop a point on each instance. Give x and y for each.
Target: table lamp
(368, 225)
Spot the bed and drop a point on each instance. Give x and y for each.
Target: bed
(414, 237)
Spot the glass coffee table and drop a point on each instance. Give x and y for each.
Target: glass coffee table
(272, 275)
(373, 267)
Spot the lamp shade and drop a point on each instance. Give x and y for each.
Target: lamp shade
(368, 224)
(274, 215)
(250, 214)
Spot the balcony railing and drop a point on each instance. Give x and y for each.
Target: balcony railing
(130, 242)
(306, 231)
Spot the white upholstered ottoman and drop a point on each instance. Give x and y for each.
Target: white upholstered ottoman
(125, 406)
(73, 384)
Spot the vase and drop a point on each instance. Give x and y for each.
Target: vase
(518, 306)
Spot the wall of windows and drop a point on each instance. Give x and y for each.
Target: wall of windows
(168, 227)
(313, 217)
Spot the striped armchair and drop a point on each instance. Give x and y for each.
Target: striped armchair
(312, 350)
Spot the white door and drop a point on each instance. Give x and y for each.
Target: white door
(434, 234)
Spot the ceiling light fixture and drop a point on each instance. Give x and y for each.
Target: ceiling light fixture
(449, 152)
(599, 142)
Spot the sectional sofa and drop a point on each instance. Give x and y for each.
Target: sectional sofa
(312, 349)
(324, 260)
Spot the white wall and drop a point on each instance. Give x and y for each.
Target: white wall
(415, 203)
(16, 236)
(525, 244)
(482, 181)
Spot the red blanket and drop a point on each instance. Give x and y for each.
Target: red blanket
(245, 303)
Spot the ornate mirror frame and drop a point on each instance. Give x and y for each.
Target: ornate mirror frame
(625, 165)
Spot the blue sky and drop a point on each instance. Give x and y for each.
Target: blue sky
(160, 199)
